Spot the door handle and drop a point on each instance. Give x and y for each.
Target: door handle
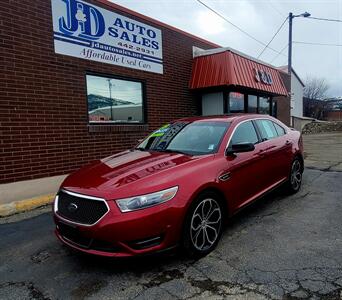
(261, 152)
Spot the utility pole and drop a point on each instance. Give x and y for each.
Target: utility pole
(289, 64)
(291, 17)
(110, 97)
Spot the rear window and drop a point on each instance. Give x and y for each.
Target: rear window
(267, 129)
(280, 130)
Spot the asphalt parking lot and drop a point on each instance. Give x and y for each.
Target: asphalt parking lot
(323, 151)
(282, 247)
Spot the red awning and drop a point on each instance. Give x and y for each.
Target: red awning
(227, 68)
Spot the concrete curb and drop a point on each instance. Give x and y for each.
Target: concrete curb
(25, 205)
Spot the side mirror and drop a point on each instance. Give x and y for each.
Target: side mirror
(238, 148)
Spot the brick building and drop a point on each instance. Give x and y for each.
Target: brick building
(83, 80)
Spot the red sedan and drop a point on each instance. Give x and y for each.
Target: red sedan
(177, 186)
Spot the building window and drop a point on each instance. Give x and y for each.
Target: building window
(264, 105)
(212, 104)
(113, 100)
(252, 104)
(236, 102)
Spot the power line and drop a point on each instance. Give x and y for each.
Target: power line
(325, 19)
(281, 26)
(237, 27)
(275, 8)
(281, 51)
(319, 44)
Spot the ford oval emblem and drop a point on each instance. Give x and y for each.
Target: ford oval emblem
(72, 207)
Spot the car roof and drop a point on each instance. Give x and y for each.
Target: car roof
(222, 118)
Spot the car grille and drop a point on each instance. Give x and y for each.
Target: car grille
(80, 209)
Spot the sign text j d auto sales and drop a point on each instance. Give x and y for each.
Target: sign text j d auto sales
(90, 32)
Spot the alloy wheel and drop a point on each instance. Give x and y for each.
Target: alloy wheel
(205, 224)
(296, 175)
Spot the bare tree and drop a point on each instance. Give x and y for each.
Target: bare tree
(315, 88)
(314, 93)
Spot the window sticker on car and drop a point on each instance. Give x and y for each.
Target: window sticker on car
(211, 147)
(161, 131)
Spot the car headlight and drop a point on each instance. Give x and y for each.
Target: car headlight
(143, 201)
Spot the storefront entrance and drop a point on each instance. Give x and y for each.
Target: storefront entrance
(227, 81)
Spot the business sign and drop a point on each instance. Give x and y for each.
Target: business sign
(263, 76)
(90, 32)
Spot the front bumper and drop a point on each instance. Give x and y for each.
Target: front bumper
(119, 234)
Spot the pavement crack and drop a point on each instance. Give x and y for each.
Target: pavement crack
(168, 292)
(332, 166)
(32, 291)
(88, 288)
(227, 288)
(40, 256)
(301, 196)
(164, 277)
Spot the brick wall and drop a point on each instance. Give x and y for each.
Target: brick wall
(283, 103)
(43, 109)
(333, 116)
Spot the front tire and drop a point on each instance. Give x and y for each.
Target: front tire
(296, 175)
(203, 225)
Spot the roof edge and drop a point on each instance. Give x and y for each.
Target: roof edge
(199, 53)
(154, 21)
(282, 69)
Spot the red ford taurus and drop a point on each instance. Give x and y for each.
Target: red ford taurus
(177, 186)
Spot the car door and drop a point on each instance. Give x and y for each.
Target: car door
(285, 144)
(275, 152)
(246, 169)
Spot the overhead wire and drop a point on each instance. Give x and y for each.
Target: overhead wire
(237, 27)
(273, 37)
(281, 51)
(275, 8)
(325, 19)
(281, 26)
(319, 44)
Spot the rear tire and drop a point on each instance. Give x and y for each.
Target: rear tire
(295, 178)
(203, 225)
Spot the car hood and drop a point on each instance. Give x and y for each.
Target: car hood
(132, 171)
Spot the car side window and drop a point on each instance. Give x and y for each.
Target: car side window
(267, 130)
(244, 133)
(280, 130)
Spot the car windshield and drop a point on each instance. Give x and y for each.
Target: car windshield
(196, 138)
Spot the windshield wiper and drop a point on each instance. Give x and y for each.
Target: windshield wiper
(161, 150)
(141, 149)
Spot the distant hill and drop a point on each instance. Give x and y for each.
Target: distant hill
(97, 101)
